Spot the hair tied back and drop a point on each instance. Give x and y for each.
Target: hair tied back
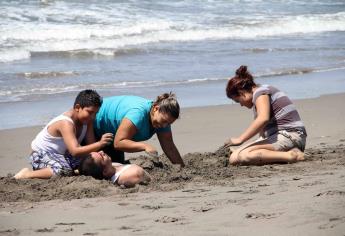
(242, 72)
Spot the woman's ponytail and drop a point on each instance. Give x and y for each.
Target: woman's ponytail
(243, 81)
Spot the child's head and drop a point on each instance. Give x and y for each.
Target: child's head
(97, 165)
(88, 98)
(86, 105)
(89, 167)
(240, 87)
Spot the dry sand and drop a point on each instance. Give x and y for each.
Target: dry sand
(206, 198)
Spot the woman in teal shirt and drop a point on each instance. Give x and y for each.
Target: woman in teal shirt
(133, 120)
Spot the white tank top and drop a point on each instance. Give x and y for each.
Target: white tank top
(46, 142)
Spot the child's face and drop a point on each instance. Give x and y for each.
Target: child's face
(159, 119)
(102, 159)
(245, 99)
(86, 114)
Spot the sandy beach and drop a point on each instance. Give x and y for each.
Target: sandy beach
(208, 197)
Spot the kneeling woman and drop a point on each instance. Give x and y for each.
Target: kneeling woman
(133, 120)
(282, 133)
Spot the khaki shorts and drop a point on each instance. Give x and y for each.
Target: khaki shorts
(285, 140)
(282, 140)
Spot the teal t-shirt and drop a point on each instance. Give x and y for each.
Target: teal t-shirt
(136, 109)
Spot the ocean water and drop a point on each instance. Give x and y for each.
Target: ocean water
(50, 50)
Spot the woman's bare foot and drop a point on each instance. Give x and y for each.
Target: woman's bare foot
(23, 174)
(296, 155)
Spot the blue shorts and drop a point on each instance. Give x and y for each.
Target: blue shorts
(62, 165)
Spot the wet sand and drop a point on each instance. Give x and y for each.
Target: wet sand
(208, 197)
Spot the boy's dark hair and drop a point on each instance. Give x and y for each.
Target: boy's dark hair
(88, 98)
(88, 167)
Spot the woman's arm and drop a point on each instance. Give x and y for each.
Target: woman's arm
(263, 115)
(169, 148)
(123, 139)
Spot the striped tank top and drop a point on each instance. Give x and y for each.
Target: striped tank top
(283, 113)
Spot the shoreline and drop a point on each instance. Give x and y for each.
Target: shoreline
(38, 112)
(184, 109)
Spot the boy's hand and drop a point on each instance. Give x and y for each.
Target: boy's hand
(106, 139)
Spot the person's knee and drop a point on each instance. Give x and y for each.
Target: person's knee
(240, 158)
(250, 157)
(233, 160)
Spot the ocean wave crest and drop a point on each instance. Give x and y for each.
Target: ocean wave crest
(27, 40)
(48, 74)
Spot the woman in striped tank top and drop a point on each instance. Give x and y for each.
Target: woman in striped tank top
(276, 120)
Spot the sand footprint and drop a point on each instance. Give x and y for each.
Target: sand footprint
(331, 193)
(168, 219)
(45, 230)
(202, 209)
(258, 215)
(333, 222)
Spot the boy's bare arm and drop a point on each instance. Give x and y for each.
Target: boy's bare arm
(90, 134)
(68, 134)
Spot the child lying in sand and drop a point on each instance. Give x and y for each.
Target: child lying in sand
(99, 166)
(283, 136)
(56, 149)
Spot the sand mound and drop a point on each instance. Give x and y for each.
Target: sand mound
(56, 188)
(209, 168)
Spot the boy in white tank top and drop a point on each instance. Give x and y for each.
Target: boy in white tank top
(56, 150)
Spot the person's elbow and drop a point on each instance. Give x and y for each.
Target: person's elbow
(120, 144)
(74, 152)
(117, 144)
(263, 120)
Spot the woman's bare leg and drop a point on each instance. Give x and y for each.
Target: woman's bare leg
(265, 154)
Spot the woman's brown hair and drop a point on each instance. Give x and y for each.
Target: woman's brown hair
(243, 81)
(168, 104)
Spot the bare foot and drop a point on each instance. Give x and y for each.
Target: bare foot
(22, 174)
(235, 158)
(296, 155)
